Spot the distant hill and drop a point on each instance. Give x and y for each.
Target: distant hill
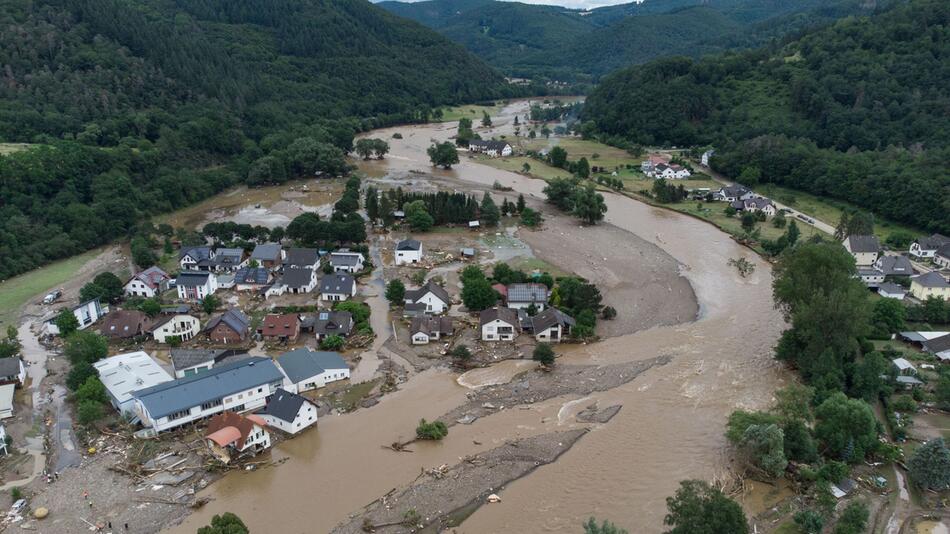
(857, 111)
(531, 40)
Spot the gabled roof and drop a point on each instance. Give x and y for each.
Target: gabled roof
(302, 256)
(192, 279)
(166, 318)
(902, 364)
(228, 256)
(266, 252)
(489, 144)
(413, 295)
(152, 277)
(933, 242)
(892, 289)
(551, 317)
(233, 318)
(733, 190)
(895, 266)
(123, 323)
(944, 251)
(409, 244)
(337, 283)
(196, 253)
(758, 203)
(284, 405)
(210, 385)
(527, 292)
(280, 325)
(125, 374)
(230, 428)
(938, 344)
(432, 325)
(297, 276)
(931, 279)
(185, 358)
(9, 366)
(333, 322)
(345, 259)
(301, 364)
(252, 275)
(863, 243)
(504, 314)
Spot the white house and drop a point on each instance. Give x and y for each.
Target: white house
(337, 287)
(926, 247)
(732, 193)
(302, 257)
(175, 326)
(295, 280)
(238, 386)
(12, 371)
(424, 329)
(891, 291)
(148, 283)
(707, 155)
(864, 248)
(228, 260)
(6, 400)
(499, 324)
(251, 278)
(196, 258)
(434, 296)
(86, 313)
(187, 362)
(408, 251)
(551, 325)
(755, 204)
(231, 435)
(289, 412)
(306, 369)
(522, 296)
(347, 262)
(490, 148)
(194, 286)
(904, 367)
(124, 374)
(669, 172)
(870, 276)
(3, 440)
(942, 256)
(931, 284)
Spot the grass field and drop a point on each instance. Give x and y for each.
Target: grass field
(473, 112)
(10, 148)
(597, 154)
(16, 291)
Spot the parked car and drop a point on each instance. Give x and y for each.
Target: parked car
(52, 296)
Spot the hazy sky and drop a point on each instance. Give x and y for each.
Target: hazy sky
(578, 4)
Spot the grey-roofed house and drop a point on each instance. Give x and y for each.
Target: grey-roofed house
(228, 259)
(414, 309)
(332, 323)
(434, 296)
(336, 287)
(523, 295)
(894, 266)
(422, 330)
(188, 362)
(229, 327)
(308, 369)
(194, 285)
(864, 248)
(890, 290)
(499, 324)
(251, 278)
(12, 371)
(268, 255)
(926, 247)
(942, 256)
(237, 386)
(939, 347)
(298, 279)
(732, 193)
(198, 258)
(289, 412)
(870, 276)
(931, 284)
(408, 251)
(551, 325)
(347, 262)
(302, 257)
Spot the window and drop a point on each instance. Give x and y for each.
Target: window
(260, 390)
(212, 404)
(179, 415)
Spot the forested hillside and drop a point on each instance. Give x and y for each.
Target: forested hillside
(147, 106)
(551, 42)
(857, 111)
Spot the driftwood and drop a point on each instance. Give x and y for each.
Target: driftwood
(398, 447)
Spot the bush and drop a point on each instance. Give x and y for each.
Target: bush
(903, 403)
(853, 519)
(608, 313)
(16, 494)
(333, 342)
(395, 291)
(809, 522)
(543, 353)
(435, 430)
(88, 411)
(461, 352)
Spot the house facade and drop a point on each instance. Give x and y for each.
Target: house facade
(148, 283)
(942, 256)
(124, 324)
(229, 327)
(424, 330)
(195, 286)
(669, 172)
(347, 262)
(289, 412)
(552, 325)
(332, 323)
(12, 371)
(231, 435)
(297, 280)
(268, 255)
(490, 148)
(196, 258)
(182, 327)
(435, 298)
(337, 287)
(302, 258)
(732, 193)
(931, 284)
(894, 266)
(870, 276)
(891, 291)
(86, 313)
(499, 324)
(280, 327)
(251, 278)
(228, 260)
(754, 205)
(408, 252)
(926, 247)
(864, 249)
(523, 295)
(307, 369)
(187, 362)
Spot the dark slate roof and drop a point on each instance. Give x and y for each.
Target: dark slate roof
(893, 289)
(266, 252)
(937, 344)
(432, 325)
(191, 279)
(414, 295)
(302, 256)
(895, 266)
(185, 358)
(944, 251)
(345, 259)
(489, 144)
(228, 256)
(551, 317)
(505, 314)
(301, 364)
(198, 253)
(734, 190)
(177, 309)
(284, 405)
(9, 366)
(215, 383)
(931, 279)
(333, 322)
(234, 318)
(152, 277)
(337, 283)
(409, 244)
(252, 275)
(864, 243)
(527, 293)
(297, 276)
(933, 242)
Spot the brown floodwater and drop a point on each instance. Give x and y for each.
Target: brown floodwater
(670, 428)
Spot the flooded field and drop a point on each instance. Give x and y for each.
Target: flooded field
(670, 427)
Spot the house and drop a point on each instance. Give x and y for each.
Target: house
(251, 278)
(408, 251)
(337, 287)
(523, 296)
(238, 386)
(434, 296)
(296, 280)
(86, 313)
(891, 291)
(124, 374)
(12, 371)
(6, 400)
(498, 324)
(289, 412)
(414, 310)
(285, 327)
(732, 193)
(931, 284)
(490, 148)
(268, 255)
(229, 327)
(926, 247)
(939, 347)
(908, 382)
(904, 367)
(332, 323)
(894, 266)
(347, 262)
(704, 159)
(669, 172)
(124, 324)
(307, 369)
(168, 327)
(186, 362)
(425, 329)
(195, 286)
(754, 205)
(843, 488)
(551, 325)
(230, 435)
(870, 276)
(147, 283)
(474, 225)
(648, 165)
(302, 258)
(196, 258)
(864, 248)
(3, 441)
(228, 260)
(467, 253)
(942, 256)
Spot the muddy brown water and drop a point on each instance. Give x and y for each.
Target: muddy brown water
(670, 427)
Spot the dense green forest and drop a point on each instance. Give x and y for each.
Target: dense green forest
(857, 111)
(143, 107)
(550, 42)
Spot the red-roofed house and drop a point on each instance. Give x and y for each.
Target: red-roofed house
(231, 434)
(284, 327)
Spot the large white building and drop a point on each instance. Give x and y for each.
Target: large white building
(124, 374)
(289, 412)
(195, 285)
(408, 251)
(306, 369)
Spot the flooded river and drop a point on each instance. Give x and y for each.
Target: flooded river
(670, 427)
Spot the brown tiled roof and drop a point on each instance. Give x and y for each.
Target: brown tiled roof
(230, 427)
(280, 325)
